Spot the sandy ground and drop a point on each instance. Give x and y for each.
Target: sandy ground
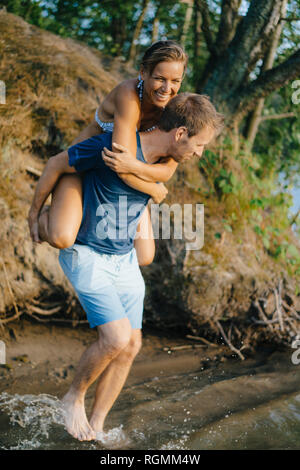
(41, 358)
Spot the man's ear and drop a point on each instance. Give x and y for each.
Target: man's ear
(180, 133)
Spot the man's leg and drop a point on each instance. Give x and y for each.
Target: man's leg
(114, 336)
(112, 380)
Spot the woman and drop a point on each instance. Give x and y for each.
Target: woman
(133, 104)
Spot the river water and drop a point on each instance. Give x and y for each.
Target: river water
(253, 404)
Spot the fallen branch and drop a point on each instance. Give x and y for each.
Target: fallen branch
(43, 304)
(41, 311)
(185, 346)
(18, 314)
(59, 320)
(198, 338)
(291, 309)
(228, 342)
(264, 322)
(33, 171)
(278, 307)
(294, 328)
(263, 316)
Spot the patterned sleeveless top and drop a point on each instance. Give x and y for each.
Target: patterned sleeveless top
(109, 126)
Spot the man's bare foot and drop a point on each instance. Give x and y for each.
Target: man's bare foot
(75, 418)
(96, 423)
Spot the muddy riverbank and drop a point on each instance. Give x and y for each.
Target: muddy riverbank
(179, 399)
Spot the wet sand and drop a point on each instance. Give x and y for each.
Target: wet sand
(167, 394)
(41, 358)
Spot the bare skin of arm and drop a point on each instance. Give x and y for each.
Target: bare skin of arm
(126, 118)
(127, 112)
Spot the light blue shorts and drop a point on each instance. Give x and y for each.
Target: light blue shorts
(109, 287)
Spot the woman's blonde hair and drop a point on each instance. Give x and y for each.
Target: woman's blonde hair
(163, 51)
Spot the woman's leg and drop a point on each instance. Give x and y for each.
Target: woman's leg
(144, 241)
(59, 223)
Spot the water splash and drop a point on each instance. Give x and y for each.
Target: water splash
(38, 422)
(114, 438)
(34, 414)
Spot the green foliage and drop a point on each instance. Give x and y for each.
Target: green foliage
(31, 11)
(277, 142)
(250, 199)
(222, 180)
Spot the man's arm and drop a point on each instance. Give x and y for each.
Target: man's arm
(55, 167)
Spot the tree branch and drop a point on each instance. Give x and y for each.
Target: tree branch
(246, 47)
(295, 218)
(277, 116)
(228, 23)
(265, 84)
(290, 19)
(201, 5)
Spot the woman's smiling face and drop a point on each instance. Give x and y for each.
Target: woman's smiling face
(163, 83)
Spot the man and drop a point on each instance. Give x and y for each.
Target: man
(102, 264)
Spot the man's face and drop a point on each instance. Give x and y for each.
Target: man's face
(183, 148)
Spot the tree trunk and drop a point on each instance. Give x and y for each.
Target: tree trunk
(230, 86)
(187, 20)
(228, 24)
(137, 32)
(217, 46)
(197, 37)
(255, 117)
(155, 27)
(118, 33)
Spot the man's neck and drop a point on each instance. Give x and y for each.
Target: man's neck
(155, 144)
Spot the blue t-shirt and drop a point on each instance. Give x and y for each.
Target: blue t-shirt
(111, 208)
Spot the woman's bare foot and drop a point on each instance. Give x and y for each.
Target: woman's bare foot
(75, 418)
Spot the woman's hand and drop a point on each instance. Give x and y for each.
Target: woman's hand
(120, 160)
(160, 193)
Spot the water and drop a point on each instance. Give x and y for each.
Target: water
(237, 407)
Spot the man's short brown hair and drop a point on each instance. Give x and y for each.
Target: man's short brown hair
(192, 111)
